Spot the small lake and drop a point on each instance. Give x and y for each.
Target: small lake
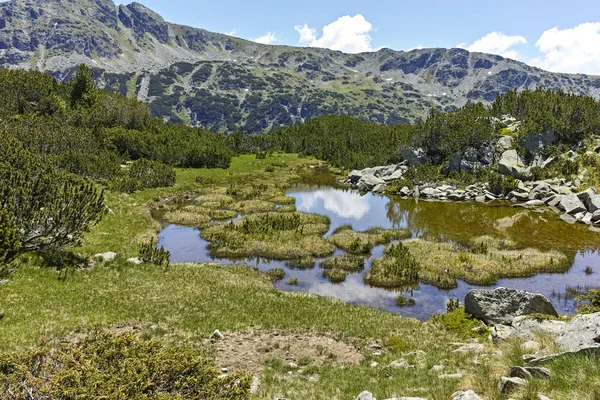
(446, 220)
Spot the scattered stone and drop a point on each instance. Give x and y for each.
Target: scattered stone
(501, 332)
(507, 385)
(376, 346)
(568, 218)
(437, 368)
(468, 395)
(401, 364)
(374, 364)
(520, 372)
(224, 370)
(134, 260)
(470, 348)
(108, 256)
(535, 203)
(451, 376)
(365, 396)
(293, 365)
(255, 384)
(531, 346)
(571, 204)
(542, 397)
(418, 353)
(502, 305)
(586, 352)
(217, 335)
(368, 182)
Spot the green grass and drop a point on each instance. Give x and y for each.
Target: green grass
(335, 275)
(346, 262)
(363, 242)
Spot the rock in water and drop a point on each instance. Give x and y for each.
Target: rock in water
(502, 305)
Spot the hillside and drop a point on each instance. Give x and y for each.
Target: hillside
(225, 83)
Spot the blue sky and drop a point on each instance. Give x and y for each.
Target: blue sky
(563, 36)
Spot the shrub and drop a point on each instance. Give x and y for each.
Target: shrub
(396, 268)
(501, 185)
(457, 321)
(116, 366)
(145, 174)
(10, 243)
(402, 301)
(49, 208)
(150, 254)
(590, 302)
(276, 274)
(269, 168)
(396, 344)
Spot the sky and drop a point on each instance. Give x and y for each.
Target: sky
(557, 35)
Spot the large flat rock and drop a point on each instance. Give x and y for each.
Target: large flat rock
(502, 305)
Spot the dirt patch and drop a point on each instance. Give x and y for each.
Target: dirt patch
(247, 351)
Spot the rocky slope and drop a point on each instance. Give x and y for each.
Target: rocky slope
(226, 83)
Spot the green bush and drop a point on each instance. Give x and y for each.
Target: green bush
(10, 243)
(501, 185)
(150, 254)
(457, 321)
(589, 302)
(144, 174)
(116, 366)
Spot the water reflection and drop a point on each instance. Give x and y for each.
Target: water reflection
(450, 221)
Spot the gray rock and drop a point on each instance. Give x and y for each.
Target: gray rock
(520, 372)
(134, 260)
(587, 219)
(531, 346)
(453, 165)
(368, 182)
(543, 397)
(507, 385)
(502, 305)
(585, 352)
(568, 218)
(512, 165)
(437, 368)
(470, 348)
(528, 328)
(379, 188)
(407, 398)
(505, 143)
(365, 396)
(580, 332)
(431, 193)
(108, 256)
(596, 216)
(519, 196)
(536, 143)
(590, 199)
(217, 335)
(535, 203)
(416, 156)
(355, 176)
(501, 332)
(451, 376)
(571, 204)
(405, 191)
(402, 364)
(468, 395)
(394, 176)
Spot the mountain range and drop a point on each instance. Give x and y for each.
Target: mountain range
(225, 83)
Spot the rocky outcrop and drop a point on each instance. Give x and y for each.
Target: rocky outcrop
(502, 305)
(511, 164)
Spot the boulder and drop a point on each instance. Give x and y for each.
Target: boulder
(502, 305)
(453, 165)
(355, 176)
(536, 143)
(581, 332)
(505, 143)
(431, 192)
(568, 218)
(394, 176)
(530, 372)
(571, 204)
(416, 156)
(365, 396)
(511, 164)
(590, 199)
(368, 182)
(468, 395)
(596, 216)
(528, 328)
(507, 385)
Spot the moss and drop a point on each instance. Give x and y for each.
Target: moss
(335, 275)
(346, 262)
(396, 344)
(363, 242)
(395, 269)
(460, 323)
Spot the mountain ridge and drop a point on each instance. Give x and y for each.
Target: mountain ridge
(225, 83)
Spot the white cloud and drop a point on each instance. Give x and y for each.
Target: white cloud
(347, 34)
(307, 35)
(496, 43)
(573, 50)
(234, 32)
(268, 38)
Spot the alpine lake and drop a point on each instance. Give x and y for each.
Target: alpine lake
(452, 222)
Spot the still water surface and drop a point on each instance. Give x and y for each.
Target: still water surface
(449, 221)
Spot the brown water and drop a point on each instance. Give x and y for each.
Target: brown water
(449, 221)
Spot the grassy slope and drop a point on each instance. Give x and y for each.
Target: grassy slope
(187, 302)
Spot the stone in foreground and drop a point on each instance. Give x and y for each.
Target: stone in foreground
(365, 396)
(468, 395)
(502, 305)
(507, 385)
